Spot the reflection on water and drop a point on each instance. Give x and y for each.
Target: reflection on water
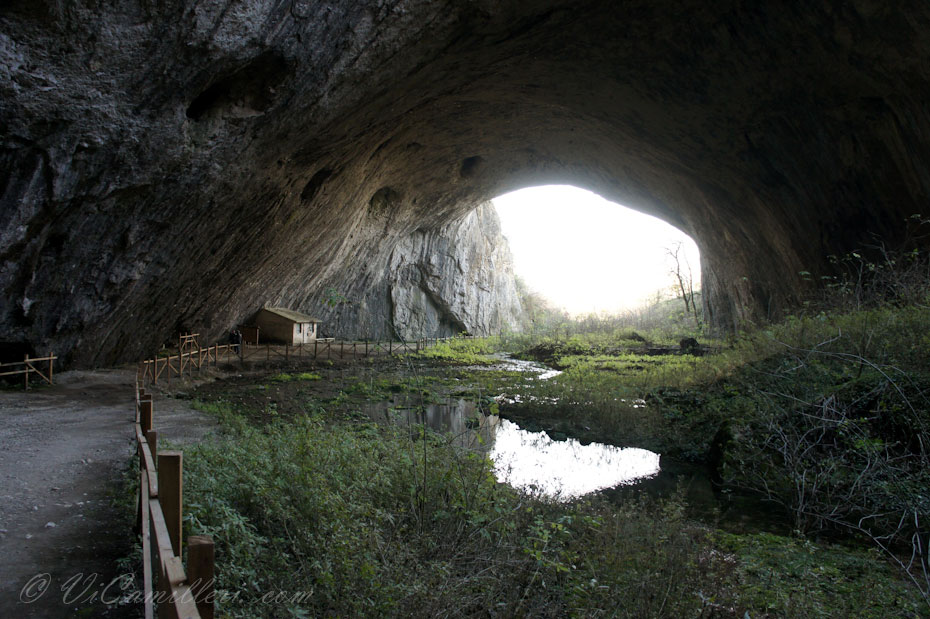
(465, 424)
(527, 460)
(510, 364)
(565, 469)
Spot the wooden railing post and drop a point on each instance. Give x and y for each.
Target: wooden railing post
(26, 370)
(146, 413)
(200, 569)
(170, 494)
(50, 369)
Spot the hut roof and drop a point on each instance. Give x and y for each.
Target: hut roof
(290, 314)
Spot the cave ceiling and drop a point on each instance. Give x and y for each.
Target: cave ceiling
(174, 165)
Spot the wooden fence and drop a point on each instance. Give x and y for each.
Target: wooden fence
(191, 356)
(159, 516)
(185, 362)
(28, 367)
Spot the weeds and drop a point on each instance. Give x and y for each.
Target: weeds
(794, 577)
(361, 522)
(461, 351)
(825, 414)
(285, 377)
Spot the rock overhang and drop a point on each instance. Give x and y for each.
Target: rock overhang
(176, 168)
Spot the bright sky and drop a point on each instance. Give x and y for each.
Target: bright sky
(586, 254)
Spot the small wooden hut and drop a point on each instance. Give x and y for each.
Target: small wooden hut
(286, 325)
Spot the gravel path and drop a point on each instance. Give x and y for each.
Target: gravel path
(63, 449)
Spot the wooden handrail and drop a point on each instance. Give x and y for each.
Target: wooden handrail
(146, 452)
(26, 370)
(147, 600)
(49, 358)
(157, 521)
(28, 367)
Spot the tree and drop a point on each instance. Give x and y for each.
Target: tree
(681, 270)
(538, 312)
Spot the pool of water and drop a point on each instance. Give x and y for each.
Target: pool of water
(565, 469)
(531, 461)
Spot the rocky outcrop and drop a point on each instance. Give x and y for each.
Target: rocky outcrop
(456, 279)
(176, 165)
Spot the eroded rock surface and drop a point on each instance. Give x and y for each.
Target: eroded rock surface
(175, 165)
(457, 279)
(438, 282)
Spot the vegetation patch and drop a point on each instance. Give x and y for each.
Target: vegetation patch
(794, 577)
(462, 351)
(355, 519)
(285, 377)
(359, 520)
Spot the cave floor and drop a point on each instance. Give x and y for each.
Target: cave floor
(64, 450)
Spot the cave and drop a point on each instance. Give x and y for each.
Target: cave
(181, 164)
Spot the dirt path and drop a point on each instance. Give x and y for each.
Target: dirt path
(63, 450)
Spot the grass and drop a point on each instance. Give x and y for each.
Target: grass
(356, 520)
(461, 351)
(827, 415)
(285, 377)
(794, 577)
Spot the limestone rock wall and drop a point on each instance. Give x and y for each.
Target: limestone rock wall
(455, 279)
(430, 283)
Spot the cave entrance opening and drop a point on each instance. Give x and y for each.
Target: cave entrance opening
(588, 255)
